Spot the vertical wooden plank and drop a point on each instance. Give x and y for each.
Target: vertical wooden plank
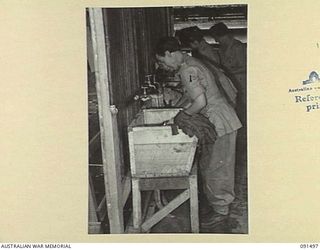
(141, 42)
(122, 71)
(108, 124)
(129, 57)
(135, 83)
(136, 203)
(90, 50)
(132, 156)
(124, 68)
(194, 206)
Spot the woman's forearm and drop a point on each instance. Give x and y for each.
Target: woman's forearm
(197, 105)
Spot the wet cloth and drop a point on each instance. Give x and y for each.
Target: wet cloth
(198, 125)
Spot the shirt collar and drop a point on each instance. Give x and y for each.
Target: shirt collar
(184, 63)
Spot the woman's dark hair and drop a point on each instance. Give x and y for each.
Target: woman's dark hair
(164, 44)
(219, 30)
(190, 34)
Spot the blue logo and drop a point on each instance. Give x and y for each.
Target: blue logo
(313, 78)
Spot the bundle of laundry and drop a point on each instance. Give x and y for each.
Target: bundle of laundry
(198, 125)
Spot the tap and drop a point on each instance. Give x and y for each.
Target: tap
(144, 97)
(148, 82)
(150, 86)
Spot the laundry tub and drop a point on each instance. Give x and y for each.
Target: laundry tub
(154, 150)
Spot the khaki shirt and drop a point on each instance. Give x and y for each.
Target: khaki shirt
(207, 51)
(197, 79)
(234, 58)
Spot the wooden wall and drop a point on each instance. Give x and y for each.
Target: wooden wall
(131, 34)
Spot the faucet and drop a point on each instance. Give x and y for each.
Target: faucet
(148, 81)
(144, 97)
(159, 85)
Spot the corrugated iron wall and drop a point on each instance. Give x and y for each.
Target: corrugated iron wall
(131, 34)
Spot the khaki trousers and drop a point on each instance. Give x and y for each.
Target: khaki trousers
(217, 163)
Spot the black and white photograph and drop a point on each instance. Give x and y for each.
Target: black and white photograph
(167, 119)
(170, 122)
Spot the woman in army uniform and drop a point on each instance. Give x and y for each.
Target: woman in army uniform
(217, 161)
(232, 54)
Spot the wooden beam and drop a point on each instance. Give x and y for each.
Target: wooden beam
(95, 165)
(136, 203)
(146, 204)
(153, 135)
(164, 183)
(205, 25)
(94, 143)
(102, 209)
(172, 205)
(126, 189)
(145, 213)
(90, 51)
(150, 212)
(108, 124)
(194, 205)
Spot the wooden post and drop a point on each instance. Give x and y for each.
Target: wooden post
(108, 124)
(194, 213)
(136, 203)
(89, 50)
